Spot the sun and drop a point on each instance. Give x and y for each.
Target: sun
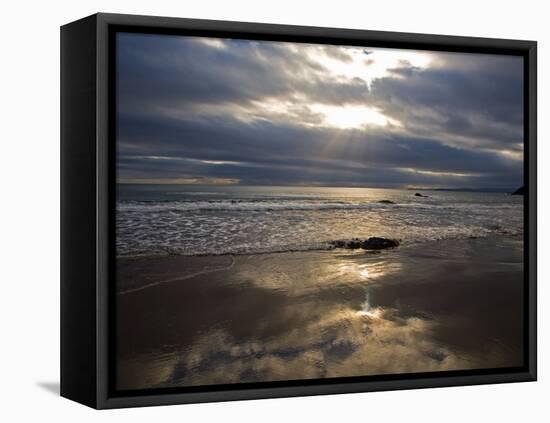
(351, 117)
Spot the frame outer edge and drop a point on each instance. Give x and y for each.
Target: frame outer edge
(103, 224)
(449, 41)
(77, 211)
(532, 191)
(104, 20)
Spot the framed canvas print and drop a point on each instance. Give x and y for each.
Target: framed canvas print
(255, 211)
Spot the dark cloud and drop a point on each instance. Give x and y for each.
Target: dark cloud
(176, 71)
(482, 101)
(183, 103)
(288, 153)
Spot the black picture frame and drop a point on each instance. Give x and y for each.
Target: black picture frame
(87, 209)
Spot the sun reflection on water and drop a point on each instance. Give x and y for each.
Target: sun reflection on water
(364, 273)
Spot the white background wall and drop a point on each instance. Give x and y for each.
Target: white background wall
(29, 233)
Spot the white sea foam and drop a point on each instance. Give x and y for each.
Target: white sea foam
(245, 205)
(259, 222)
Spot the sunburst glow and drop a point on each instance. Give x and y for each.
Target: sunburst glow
(351, 117)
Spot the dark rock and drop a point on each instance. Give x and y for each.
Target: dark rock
(417, 194)
(354, 244)
(519, 191)
(340, 243)
(386, 202)
(376, 243)
(373, 243)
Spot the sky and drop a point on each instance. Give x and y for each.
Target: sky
(194, 110)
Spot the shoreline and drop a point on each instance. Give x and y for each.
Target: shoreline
(444, 305)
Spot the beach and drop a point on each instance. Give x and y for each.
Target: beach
(436, 305)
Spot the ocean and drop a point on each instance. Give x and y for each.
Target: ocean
(154, 220)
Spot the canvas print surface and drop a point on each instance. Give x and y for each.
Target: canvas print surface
(289, 211)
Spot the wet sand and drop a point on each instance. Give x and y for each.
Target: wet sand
(448, 305)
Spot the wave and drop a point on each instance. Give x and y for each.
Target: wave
(218, 226)
(239, 250)
(252, 205)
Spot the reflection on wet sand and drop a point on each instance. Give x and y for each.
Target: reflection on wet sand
(323, 314)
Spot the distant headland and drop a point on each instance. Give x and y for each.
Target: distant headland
(519, 191)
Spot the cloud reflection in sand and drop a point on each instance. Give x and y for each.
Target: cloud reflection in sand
(298, 316)
(343, 343)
